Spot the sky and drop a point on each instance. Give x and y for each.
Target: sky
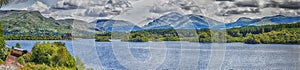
(142, 12)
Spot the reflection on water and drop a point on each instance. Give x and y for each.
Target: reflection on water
(179, 55)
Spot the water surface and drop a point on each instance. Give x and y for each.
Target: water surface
(179, 55)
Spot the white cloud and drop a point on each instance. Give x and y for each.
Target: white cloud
(143, 11)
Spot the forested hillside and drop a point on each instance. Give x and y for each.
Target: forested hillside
(268, 34)
(31, 25)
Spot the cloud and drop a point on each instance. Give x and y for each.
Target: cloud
(290, 5)
(141, 10)
(39, 6)
(65, 6)
(247, 3)
(237, 11)
(225, 0)
(175, 5)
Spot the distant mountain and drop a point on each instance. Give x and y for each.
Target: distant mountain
(115, 25)
(18, 22)
(32, 23)
(278, 19)
(179, 21)
(79, 28)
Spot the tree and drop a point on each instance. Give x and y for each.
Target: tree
(21, 60)
(52, 54)
(3, 49)
(18, 45)
(12, 47)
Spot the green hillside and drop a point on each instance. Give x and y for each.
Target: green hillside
(21, 24)
(268, 34)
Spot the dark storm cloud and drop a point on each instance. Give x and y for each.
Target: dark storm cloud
(66, 6)
(251, 3)
(290, 5)
(285, 4)
(237, 11)
(224, 0)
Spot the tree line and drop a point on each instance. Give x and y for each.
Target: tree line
(267, 34)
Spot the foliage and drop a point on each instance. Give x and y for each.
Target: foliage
(136, 37)
(18, 45)
(21, 60)
(268, 34)
(12, 47)
(63, 58)
(1, 61)
(3, 53)
(46, 67)
(12, 37)
(32, 23)
(275, 38)
(102, 38)
(49, 56)
(243, 31)
(3, 49)
(171, 39)
(204, 37)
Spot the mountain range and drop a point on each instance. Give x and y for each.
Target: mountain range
(18, 22)
(271, 20)
(191, 21)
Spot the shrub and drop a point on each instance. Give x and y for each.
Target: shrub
(3, 53)
(1, 61)
(12, 47)
(18, 45)
(171, 39)
(21, 60)
(51, 54)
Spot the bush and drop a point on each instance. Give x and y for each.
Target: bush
(171, 39)
(138, 38)
(1, 61)
(27, 57)
(51, 54)
(102, 38)
(12, 47)
(18, 45)
(3, 53)
(21, 60)
(41, 67)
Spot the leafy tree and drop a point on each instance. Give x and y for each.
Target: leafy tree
(137, 37)
(102, 38)
(63, 58)
(21, 60)
(171, 39)
(12, 47)
(52, 54)
(3, 49)
(18, 45)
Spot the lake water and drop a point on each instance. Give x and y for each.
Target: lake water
(179, 55)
